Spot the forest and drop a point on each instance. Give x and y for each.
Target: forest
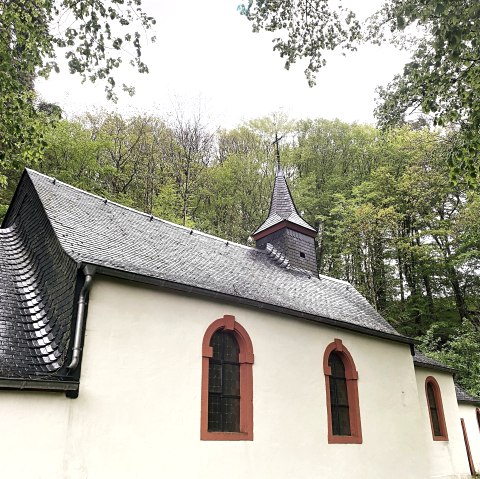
(390, 220)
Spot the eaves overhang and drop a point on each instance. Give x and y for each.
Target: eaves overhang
(218, 296)
(283, 224)
(473, 402)
(445, 369)
(39, 385)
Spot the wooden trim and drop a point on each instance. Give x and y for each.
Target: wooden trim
(229, 323)
(439, 405)
(467, 447)
(281, 225)
(477, 410)
(351, 376)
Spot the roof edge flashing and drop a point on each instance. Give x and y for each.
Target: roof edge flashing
(38, 384)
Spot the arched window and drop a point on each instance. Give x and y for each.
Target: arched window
(343, 411)
(435, 410)
(227, 386)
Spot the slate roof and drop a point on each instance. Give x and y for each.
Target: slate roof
(37, 285)
(51, 228)
(463, 396)
(282, 207)
(420, 360)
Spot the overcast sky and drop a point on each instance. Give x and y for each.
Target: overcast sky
(207, 55)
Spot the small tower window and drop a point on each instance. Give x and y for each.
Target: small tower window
(302, 255)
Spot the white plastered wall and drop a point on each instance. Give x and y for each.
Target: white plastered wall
(447, 458)
(138, 413)
(469, 415)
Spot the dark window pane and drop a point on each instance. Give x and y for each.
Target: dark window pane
(215, 377)
(231, 409)
(214, 413)
(340, 412)
(340, 388)
(432, 404)
(336, 365)
(231, 379)
(230, 352)
(431, 396)
(224, 384)
(340, 421)
(216, 344)
(435, 422)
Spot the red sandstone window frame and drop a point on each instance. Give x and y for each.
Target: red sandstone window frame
(228, 323)
(439, 406)
(351, 376)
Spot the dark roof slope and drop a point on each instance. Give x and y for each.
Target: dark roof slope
(37, 287)
(422, 361)
(282, 207)
(95, 231)
(463, 396)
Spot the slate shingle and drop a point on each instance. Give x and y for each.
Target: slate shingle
(37, 286)
(51, 227)
(463, 396)
(117, 237)
(282, 207)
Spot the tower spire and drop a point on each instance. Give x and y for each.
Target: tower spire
(284, 228)
(277, 152)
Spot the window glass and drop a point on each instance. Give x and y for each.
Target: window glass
(224, 384)
(339, 397)
(433, 410)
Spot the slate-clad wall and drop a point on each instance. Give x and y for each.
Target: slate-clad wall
(291, 243)
(38, 283)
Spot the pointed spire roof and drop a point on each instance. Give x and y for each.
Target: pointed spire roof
(282, 208)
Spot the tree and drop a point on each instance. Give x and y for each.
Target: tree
(461, 352)
(442, 79)
(31, 31)
(237, 188)
(311, 27)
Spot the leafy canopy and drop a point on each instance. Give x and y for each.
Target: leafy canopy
(442, 79)
(93, 33)
(309, 28)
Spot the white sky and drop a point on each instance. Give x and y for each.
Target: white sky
(207, 55)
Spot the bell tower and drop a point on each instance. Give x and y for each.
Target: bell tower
(285, 229)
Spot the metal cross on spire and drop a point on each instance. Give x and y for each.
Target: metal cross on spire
(276, 143)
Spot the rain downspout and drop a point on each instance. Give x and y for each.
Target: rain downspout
(79, 325)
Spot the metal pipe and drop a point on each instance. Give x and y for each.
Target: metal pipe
(82, 301)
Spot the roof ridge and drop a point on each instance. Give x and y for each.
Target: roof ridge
(336, 280)
(186, 228)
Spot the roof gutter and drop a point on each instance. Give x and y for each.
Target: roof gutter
(38, 384)
(118, 273)
(89, 271)
(439, 367)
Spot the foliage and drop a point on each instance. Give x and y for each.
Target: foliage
(311, 28)
(390, 222)
(461, 352)
(442, 79)
(30, 34)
